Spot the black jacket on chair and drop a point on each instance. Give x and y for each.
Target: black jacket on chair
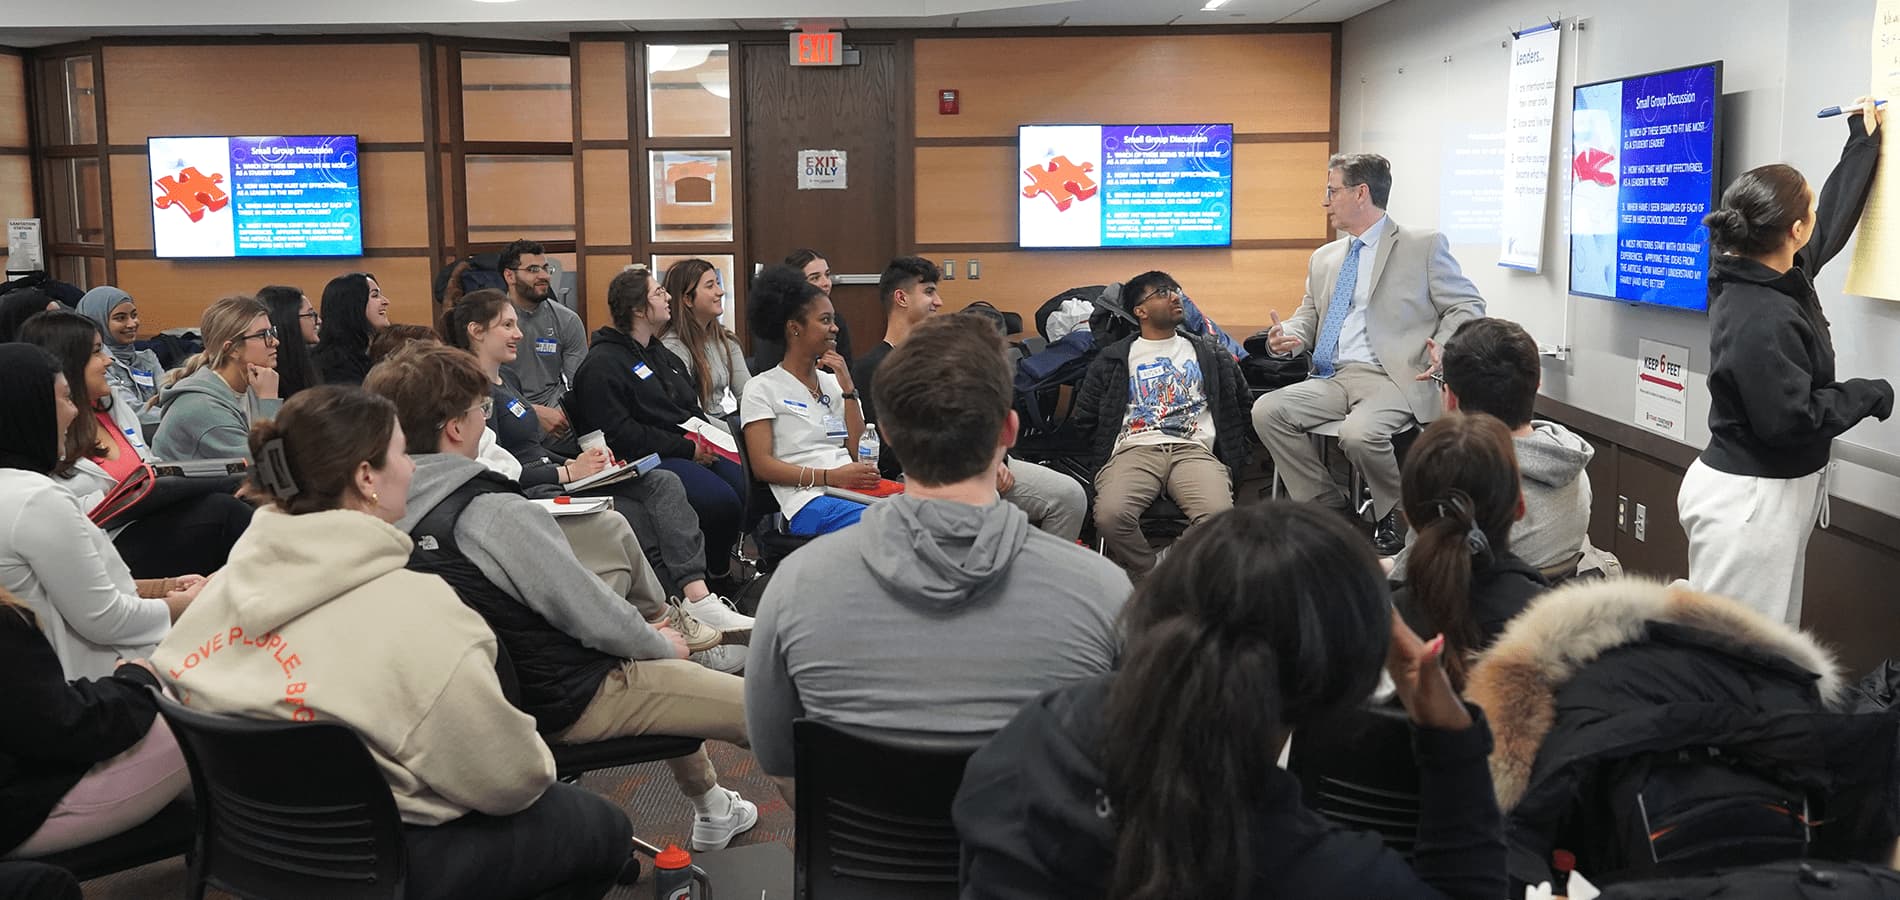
(1597, 673)
(56, 730)
(639, 413)
(1103, 401)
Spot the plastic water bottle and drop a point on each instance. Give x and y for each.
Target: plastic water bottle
(868, 445)
(676, 878)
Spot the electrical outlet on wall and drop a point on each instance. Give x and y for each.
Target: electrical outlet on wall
(949, 270)
(1641, 526)
(1623, 514)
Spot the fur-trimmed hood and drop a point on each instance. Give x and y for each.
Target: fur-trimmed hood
(1516, 680)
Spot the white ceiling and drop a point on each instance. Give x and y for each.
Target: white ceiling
(38, 24)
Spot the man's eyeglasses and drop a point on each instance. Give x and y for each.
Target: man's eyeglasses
(1338, 189)
(1163, 294)
(534, 270)
(268, 334)
(1438, 378)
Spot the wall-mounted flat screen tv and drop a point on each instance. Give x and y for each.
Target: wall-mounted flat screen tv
(279, 195)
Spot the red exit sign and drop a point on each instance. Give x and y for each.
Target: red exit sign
(817, 48)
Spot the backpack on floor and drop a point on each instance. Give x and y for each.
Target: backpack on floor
(467, 275)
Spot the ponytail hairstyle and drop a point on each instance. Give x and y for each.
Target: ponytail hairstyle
(69, 337)
(222, 327)
(481, 307)
(780, 294)
(295, 369)
(307, 456)
(1267, 617)
(1758, 211)
(682, 279)
(627, 295)
(1461, 495)
(12, 604)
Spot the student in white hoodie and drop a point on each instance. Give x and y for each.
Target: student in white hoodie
(316, 618)
(59, 564)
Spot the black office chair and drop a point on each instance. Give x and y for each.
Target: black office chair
(873, 816)
(1359, 772)
(163, 836)
(763, 522)
(287, 809)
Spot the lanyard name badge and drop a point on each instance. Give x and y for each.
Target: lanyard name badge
(546, 346)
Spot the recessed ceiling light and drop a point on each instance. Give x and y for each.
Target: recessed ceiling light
(1210, 7)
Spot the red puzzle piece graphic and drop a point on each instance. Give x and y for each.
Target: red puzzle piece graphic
(1064, 182)
(1589, 167)
(193, 191)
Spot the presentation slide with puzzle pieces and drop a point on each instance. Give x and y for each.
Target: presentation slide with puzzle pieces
(219, 197)
(1125, 186)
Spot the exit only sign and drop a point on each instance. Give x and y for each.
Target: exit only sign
(817, 48)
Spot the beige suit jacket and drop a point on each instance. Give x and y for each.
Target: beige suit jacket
(1418, 293)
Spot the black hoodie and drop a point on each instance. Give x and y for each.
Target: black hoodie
(636, 395)
(1774, 406)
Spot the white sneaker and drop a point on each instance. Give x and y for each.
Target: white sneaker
(726, 658)
(719, 612)
(715, 832)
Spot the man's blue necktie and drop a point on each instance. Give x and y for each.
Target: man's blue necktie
(1327, 349)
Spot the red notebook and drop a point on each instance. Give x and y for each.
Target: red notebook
(885, 488)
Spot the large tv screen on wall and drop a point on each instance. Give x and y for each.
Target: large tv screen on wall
(1644, 171)
(1125, 186)
(280, 195)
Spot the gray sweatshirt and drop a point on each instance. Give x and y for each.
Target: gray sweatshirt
(520, 548)
(1556, 523)
(926, 616)
(204, 419)
(553, 343)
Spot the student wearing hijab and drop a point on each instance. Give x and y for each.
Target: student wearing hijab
(132, 372)
(59, 564)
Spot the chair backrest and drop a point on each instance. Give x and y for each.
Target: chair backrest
(873, 817)
(288, 809)
(1359, 772)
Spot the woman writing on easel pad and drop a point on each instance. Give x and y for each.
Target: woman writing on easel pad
(1750, 502)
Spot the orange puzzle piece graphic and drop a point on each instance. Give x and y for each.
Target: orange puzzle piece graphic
(1064, 182)
(193, 191)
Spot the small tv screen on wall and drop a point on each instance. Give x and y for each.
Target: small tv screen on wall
(1125, 186)
(244, 196)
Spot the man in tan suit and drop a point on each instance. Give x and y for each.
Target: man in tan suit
(1376, 302)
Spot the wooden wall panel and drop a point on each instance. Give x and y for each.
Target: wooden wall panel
(1260, 82)
(609, 197)
(601, 269)
(131, 201)
(1277, 189)
(534, 192)
(395, 200)
(968, 194)
(16, 191)
(516, 97)
(1236, 287)
(603, 91)
(15, 128)
(174, 293)
(370, 90)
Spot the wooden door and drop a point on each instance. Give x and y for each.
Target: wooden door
(849, 108)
